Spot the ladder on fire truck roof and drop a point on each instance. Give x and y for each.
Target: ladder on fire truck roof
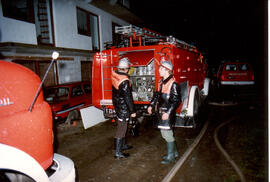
(134, 31)
(129, 30)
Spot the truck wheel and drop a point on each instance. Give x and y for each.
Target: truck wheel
(11, 176)
(72, 115)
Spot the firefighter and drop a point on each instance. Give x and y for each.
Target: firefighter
(164, 103)
(123, 104)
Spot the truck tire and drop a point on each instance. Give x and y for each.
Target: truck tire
(14, 176)
(13, 159)
(72, 115)
(195, 118)
(206, 88)
(194, 104)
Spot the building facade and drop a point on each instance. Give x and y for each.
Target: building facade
(30, 30)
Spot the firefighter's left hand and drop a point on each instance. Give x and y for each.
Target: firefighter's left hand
(165, 116)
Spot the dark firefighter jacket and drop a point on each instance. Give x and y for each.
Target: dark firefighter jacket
(122, 95)
(166, 100)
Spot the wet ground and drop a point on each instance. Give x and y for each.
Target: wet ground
(245, 139)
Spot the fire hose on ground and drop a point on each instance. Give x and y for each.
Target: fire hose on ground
(185, 156)
(181, 161)
(236, 168)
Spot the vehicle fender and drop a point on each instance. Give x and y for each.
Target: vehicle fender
(64, 169)
(191, 98)
(206, 85)
(15, 159)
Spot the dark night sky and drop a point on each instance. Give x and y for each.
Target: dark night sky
(222, 29)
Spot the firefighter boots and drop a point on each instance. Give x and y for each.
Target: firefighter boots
(170, 158)
(124, 145)
(176, 154)
(118, 142)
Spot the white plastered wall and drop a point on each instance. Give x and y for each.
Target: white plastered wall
(12, 30)
(65, 33)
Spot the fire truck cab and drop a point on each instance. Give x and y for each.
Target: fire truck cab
(26, 133)
(145, 49)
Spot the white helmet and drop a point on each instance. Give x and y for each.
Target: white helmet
(167, 64)
(123, 63)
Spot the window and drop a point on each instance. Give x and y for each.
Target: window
(243, 67)
(230, 67)
(18, 9)
(116, 37)
(83, 25)
(76, 91)
(125, 3)
(44, 22)
(56, 94)
(87, 88)
(87, 24)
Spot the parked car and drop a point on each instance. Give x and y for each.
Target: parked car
(66, 100)
(235, 73)
(233, 82)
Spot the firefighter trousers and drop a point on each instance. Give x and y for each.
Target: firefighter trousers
(167, 135)
(121, 129)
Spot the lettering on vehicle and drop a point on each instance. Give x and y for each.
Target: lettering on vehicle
(5, 102)
(101, 56)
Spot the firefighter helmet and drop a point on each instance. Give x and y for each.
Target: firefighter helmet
(167, 64)
(124, 63)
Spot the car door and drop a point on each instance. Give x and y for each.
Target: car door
(77, 97)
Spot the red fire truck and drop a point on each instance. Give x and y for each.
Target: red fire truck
(145, 49)
(26, 133)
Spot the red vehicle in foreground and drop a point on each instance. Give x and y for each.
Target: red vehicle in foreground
(145, 49)
(235, 73)
(67, 99)
(26, 137)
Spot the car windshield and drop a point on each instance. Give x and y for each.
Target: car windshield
(56, 94)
